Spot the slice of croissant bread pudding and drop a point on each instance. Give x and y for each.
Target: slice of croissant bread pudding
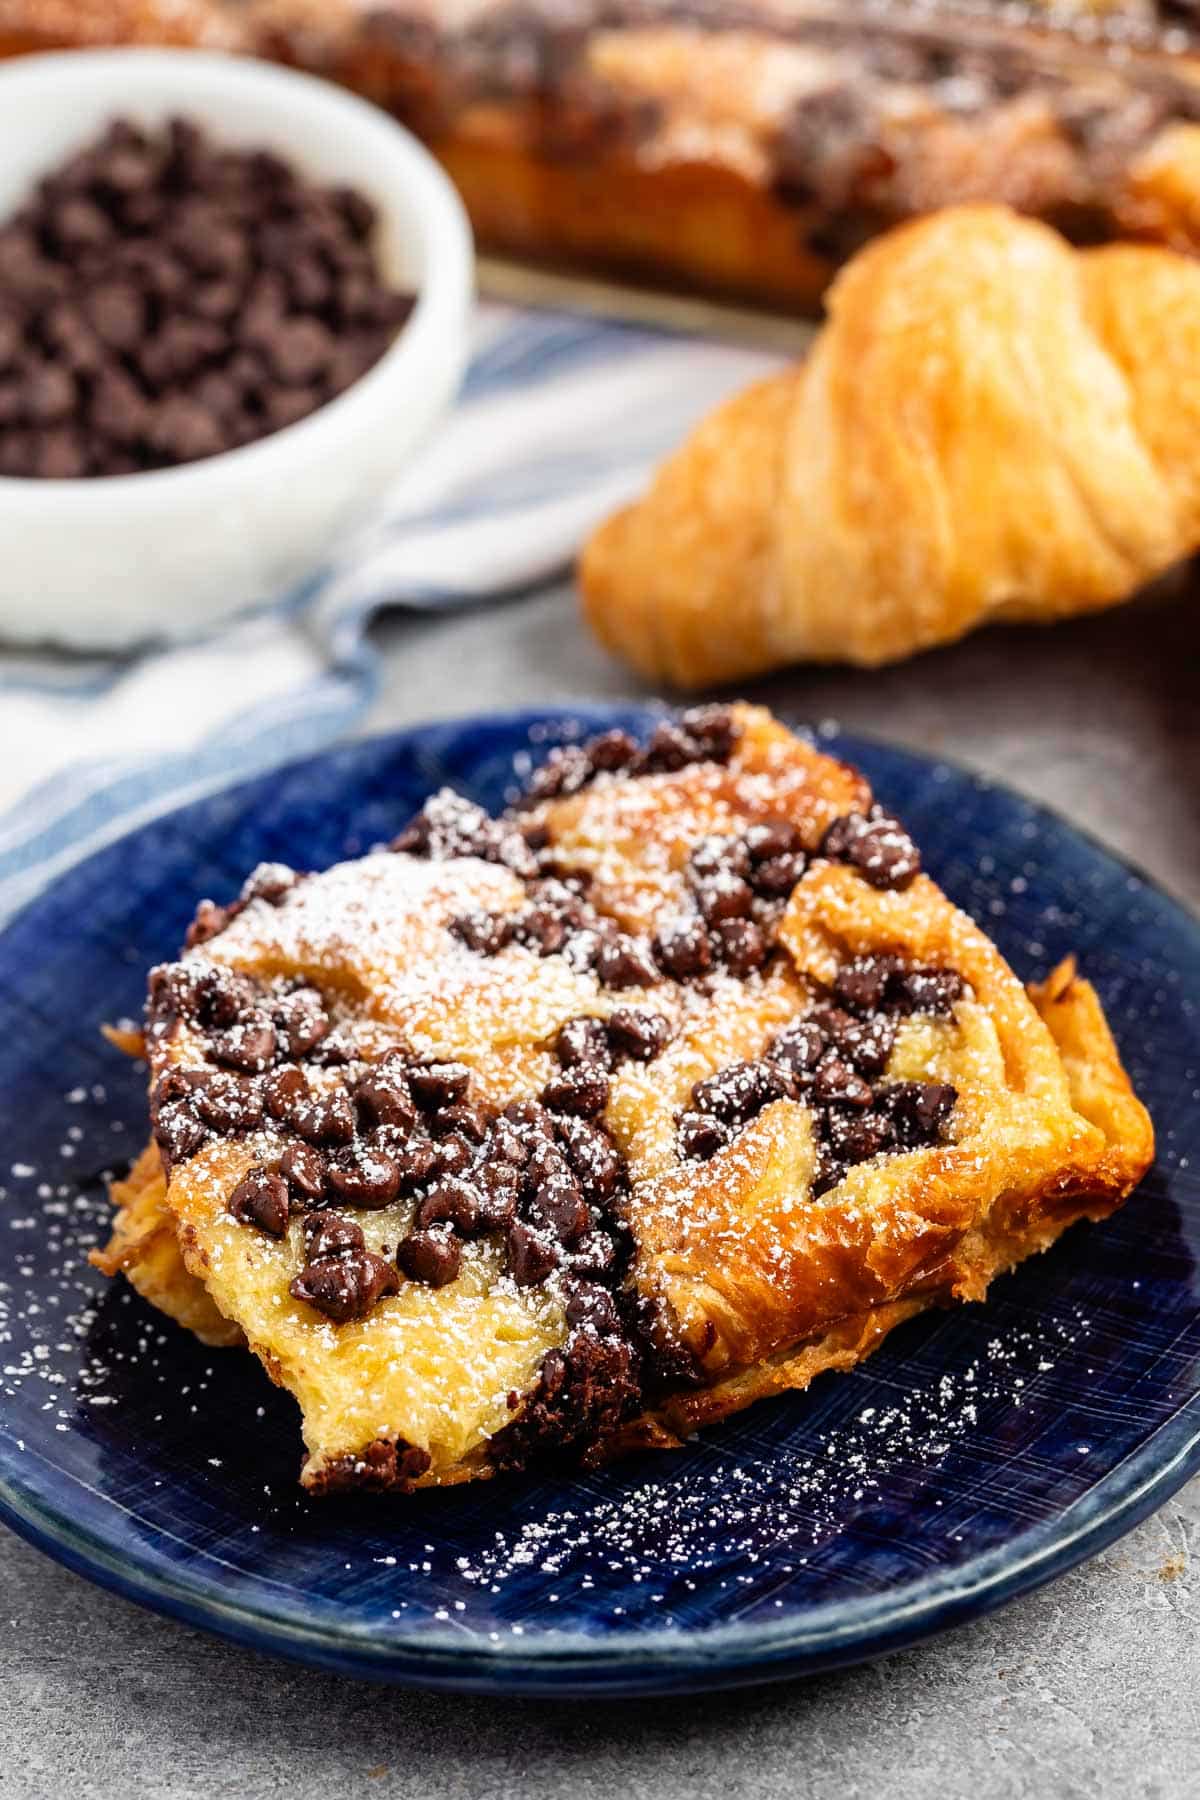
(565, 1132)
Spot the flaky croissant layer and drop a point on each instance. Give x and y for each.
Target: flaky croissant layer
(990, 426)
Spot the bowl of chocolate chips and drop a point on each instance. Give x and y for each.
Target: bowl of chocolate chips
(233, 302)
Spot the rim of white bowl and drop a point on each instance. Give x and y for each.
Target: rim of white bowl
(447, 251)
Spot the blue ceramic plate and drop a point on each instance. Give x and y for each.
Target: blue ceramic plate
(979, 1453)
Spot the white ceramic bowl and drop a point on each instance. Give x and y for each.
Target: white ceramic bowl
(114, 561)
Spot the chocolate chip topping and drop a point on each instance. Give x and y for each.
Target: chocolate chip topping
(582, 1090)
(623, 962)
(449, 826)
(304, 1169)
(830, 1059)
(453, 1201)
(703, 734)
(327, 1233)
(641, 1036)
(433, 1256)
(683, 950)
(583, 1041)
(363, 1176)
(345, 1286)
(261, 1198)
(383, 1095)
(300, 1022)
(436, 1085)
(876, 844)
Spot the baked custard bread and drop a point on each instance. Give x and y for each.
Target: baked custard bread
(991, 427)
(565, 1132)
(750, 146)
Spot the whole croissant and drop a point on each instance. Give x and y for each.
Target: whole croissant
(990, 426)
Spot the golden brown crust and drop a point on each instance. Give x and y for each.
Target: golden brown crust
(992, 426)
(761, 1279)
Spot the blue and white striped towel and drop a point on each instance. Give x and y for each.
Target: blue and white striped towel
(559, 419)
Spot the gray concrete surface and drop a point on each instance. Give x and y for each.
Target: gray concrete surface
(1089, 1688)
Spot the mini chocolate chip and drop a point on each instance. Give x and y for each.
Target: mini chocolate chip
(828, 1171)
(505, 1144)
(327, 1233)
(261, 1198)
(451, 1202)
(300, 1022)
(335, 1048)
(269, 881)
(639, 1035)
(560, 1207)
(433, 1256)
(700, 1136)
(929, 990)
(877, 845)
(499, 1178)
(592, 1156)
(227, 1104)
(363, 1176)
(583, 1091)
(771, 838)
(304, 1169)
(869, 1042)
(248, 1044)
(543, 928)
(862, 985)
(670, 748)
(856, 1137)
(738, 1091)
(591, 1307)
(345, 1287)
(565, 771)
(532, 1120)
(485, 933)
(712, 730)
(501, 1185)
(714, 858)
(776, 878)
(116, 312)
(741, 946)
(220, 997)
(834, 1021)
(837, 1084)
(612, 751)
(453, 1156)
(327, 1118)
(532, 1255)
(545, 1160)
(284, 1090)
(382, 1095)
(724, 897)
(416, 1163)
(594, 1257)
(450, 826)
(209, 922)
(178, 1131)
(439, 1084)
(800, 1046)
(683, 949)
(464, 1120)
(583, 1042)
(624, 961)
(918, 1109)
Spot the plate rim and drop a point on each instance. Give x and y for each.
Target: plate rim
(664, 1659)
